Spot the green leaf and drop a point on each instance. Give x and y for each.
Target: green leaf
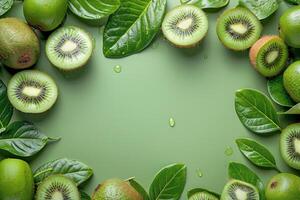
(207, 4)
(23, 139)
(168, 183)
(133, 27)
(278, 93)
(139, 189)
(256, 112)
(6, 109)
(84, 196)
(75, 170)
(261, 8)
(198, 190)
(5, 5)
(293, 2)
(94, 11)
(241, 172)
(256, 153)
(295, 110)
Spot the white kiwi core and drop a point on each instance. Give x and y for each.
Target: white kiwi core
(297, 145)
(68, 46)
(31, 91)
(57, 196)
(239, 28)
(185, 24)
(272, 56)
(241, 194)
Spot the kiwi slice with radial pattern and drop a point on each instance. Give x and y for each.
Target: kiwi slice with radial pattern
(32, 91)
(269, 55)
(239, 190)
(185, 26)
(290, 145)
(203, 196)
(57, 187)
(69, 48)
(238, 28)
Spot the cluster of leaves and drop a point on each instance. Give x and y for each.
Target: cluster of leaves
(19, 138)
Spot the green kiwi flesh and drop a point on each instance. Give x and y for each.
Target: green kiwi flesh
(32, 91)
(290, 145)
(203, 196)
(239, 190)
(185, 26)
(57, 187)
(69, 48)
(269, 55)
(238, 28)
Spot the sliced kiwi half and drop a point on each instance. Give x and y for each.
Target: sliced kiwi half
(185, 26)
(239, 190)
(203, 196)
(69, 48)
(57, 187)
(32, 91)
(238, 28)
(269, 55)
(290, 145)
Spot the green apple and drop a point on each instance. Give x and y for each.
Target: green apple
(45, 15)
(16, 180)
(283, 186)
(291, 80)
(289, 26)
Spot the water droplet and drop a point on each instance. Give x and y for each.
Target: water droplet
(172, 122)
(118, 69)
(199, 173)
(228, 151)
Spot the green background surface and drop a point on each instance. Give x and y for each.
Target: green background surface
(119, 123)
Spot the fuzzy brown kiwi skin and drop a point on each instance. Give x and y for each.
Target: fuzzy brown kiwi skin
(257, 46)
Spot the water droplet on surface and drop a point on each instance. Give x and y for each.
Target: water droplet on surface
(172, 122)
(117, 69)
(228, 151)
(199, 173)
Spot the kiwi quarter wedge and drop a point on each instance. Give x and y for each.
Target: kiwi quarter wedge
(185, 26)
(239, 190)
(238, 28)
(57, 187)
(290, 145)
(32, 91)
(269, 55)
(69, 48)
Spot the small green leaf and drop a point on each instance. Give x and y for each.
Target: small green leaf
(199, 190)
(295, 110)
(75, 170)
(278, 93)
(261, 8)
(84, 196)
(139, 189)
(256, 153)
(256, 112)
(6, 109)
(132, 28)
(207, 4)
(23, 139)
(94, 11)
(168, 183)
(241, 172)
(5, 5)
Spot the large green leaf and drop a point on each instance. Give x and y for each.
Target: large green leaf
(293, 2)
(278, 93)
(139, 188)
(261, 8)
(75, 170)
(256, 111)
(241, 172)
(132, 27)
(23, 139)
(168, 183)
(6, 109)
(95, 11)
(256, 153)
(5, 5)
(207, 4)
(84, 196)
